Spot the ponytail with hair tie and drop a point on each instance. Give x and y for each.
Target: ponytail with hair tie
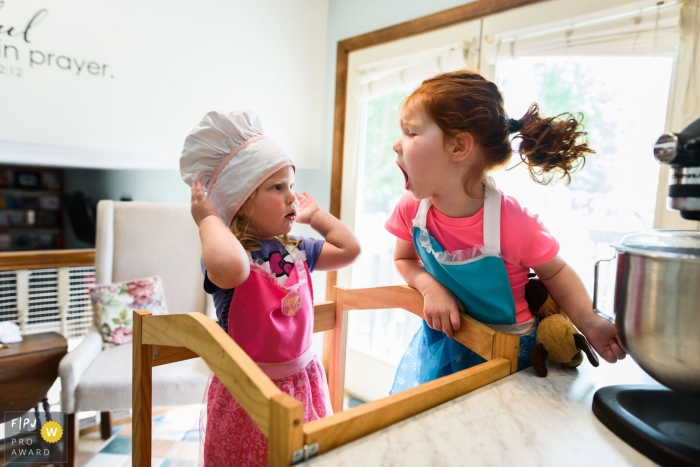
(552, 144)
(465, 102)
(514, 125)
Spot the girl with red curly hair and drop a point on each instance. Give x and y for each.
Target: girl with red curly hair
(468, 247)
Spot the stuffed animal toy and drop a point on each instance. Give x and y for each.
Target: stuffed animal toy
(557, 338)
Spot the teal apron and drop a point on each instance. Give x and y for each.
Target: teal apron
(479, 280)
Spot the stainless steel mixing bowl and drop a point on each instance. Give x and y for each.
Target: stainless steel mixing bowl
(657, 305)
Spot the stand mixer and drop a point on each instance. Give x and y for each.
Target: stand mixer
(657, 314)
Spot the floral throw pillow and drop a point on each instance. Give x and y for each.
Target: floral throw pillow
(114, 305)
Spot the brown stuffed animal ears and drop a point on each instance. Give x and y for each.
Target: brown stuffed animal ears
(540, 303)
(536, 294)
(538, 355)
(582, 343)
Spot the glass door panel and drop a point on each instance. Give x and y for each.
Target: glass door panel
(623, 101)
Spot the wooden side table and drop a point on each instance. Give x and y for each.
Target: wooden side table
(28, 369)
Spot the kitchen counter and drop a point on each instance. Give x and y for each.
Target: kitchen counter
(521, 420)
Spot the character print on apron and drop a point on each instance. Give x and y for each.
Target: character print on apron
(479, 279)
(272, 319)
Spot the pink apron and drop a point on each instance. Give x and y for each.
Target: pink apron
(273, 323)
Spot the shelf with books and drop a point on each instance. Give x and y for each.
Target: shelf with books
(31, 208)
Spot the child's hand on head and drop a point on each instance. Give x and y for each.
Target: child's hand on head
(308, 206)
(200, 205)
(441, 309)
(602, 335)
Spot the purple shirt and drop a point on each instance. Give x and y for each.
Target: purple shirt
(269, 249)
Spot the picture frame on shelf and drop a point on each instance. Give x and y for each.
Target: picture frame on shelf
(51, 181)
(27, 180)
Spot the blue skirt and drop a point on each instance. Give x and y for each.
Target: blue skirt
(432, 355)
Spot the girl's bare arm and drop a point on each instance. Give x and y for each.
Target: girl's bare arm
(441, 307)
(569, 292)
(341, 247)
(223, 255)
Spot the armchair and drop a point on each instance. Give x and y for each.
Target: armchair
(135, 240)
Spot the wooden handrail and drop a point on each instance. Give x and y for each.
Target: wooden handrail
(481, 339)
(324, 320)
(184, 336)
(473, 334)
(16, 261)
(242, 377)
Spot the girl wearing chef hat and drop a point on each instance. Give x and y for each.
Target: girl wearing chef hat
(244, 204)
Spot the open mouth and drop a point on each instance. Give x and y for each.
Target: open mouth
(405, 176)
(291, 216)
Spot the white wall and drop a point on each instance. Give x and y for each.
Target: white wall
(336, 19)
(119, 84)
(345, 19)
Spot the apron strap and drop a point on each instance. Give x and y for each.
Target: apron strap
(492, 220)
(293, 251)
(422, 214)
(298, 256)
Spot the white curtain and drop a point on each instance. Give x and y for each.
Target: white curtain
(689, 56)
(643, 28)
(409, 71)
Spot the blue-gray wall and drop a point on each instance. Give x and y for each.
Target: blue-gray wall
(164, 186)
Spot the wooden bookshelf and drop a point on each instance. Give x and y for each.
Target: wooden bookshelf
(31, 208)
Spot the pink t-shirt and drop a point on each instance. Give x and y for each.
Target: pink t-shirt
(525, 242)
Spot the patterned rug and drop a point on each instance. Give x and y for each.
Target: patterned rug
(175, 442)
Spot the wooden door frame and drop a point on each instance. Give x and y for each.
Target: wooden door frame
(442, 19)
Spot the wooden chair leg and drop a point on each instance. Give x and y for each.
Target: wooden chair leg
(72, 433)
(106, 425)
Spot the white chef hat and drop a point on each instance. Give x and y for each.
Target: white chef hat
(230, 156)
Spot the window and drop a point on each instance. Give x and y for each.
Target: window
(384, 334)
(611, 60)
(623, 101)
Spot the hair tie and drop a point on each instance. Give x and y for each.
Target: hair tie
(514, 126)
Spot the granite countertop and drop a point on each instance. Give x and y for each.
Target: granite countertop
(521, 420)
